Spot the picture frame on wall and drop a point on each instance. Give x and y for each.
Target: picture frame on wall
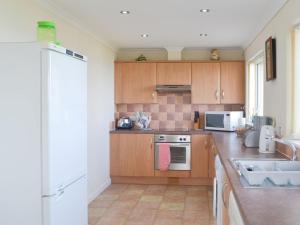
(270, 48)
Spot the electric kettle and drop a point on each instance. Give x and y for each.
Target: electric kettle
(266, 142)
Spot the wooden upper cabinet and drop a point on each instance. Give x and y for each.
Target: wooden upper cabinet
(205, 83)
(135, 82)
(200, 156)
(131, 155)
(232, 83)
(176, 73)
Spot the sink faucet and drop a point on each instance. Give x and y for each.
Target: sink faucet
(290, 145)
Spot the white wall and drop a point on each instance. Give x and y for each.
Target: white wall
(278, 93)
(18, 24)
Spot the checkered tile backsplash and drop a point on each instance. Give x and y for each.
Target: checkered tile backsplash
(172, 110)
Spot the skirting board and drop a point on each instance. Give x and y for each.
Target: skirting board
(102, 187)
(162, 180)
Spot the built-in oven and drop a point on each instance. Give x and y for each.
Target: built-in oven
(180, 151)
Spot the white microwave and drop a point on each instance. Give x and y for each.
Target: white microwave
(222, 120)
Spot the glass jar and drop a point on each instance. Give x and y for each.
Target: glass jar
(46, 31)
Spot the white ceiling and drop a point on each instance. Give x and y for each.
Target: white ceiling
(230, 23)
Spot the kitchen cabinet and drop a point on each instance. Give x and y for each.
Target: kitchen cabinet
(135, 82)
(200, 155)
(206, 83)
(174, 73)
(218, 83)
(232, 83)
(131, 155)
(226, 189)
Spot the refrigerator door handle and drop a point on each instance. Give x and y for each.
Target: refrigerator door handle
(61, 188)
(59, 192)
(49, 196)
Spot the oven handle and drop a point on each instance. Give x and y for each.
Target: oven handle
(172, 144)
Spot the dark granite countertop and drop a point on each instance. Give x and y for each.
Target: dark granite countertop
(258, 206)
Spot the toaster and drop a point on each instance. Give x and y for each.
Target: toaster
(125, 123)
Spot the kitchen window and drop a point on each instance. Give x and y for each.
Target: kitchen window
(255, 87)
(296, 88)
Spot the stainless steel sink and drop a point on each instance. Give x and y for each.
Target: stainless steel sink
(268, 172)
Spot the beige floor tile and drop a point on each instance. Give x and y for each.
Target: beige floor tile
(93, 220)
(99, 203)
(151, 198)
(96, 212)
(142, 216)
(171, 206)
(203, 222)
(124, 204)
(117, 212)
(195, 215)
(174, 198)
(196, 206)
(169, 214)
(175, 193)
(156, 190)
(195, 192)
(133, 192)
(177, 188)
(199, 199)
(137, 187)
(111, 221)
(165, 221)
(152, 205)
(115, 189)
(109, 197)
(148, 205)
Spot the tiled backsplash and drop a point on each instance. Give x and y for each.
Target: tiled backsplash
(172, 110)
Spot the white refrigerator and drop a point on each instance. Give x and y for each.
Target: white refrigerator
(43, 162)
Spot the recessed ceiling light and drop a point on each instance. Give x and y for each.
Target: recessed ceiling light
(144, 35)
(125, 12)
(204, 10)
(203, 35)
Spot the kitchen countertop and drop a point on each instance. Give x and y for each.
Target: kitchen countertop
(154, 131)
(258, 206)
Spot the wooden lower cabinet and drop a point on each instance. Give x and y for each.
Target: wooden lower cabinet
(132, 158)
(131, 155)
(200, 155)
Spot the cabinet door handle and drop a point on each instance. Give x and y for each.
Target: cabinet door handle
(153, 95)
(226, 204)
(223, 194)
(223, 94)
(151, 143)
(216, 94)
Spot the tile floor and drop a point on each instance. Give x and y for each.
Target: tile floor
(123, 204)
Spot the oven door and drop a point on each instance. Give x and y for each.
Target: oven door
(180, 156)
